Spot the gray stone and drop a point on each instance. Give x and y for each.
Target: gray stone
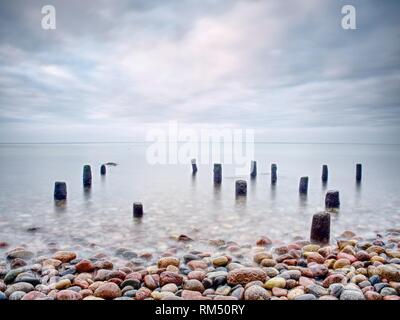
(16, 295)
(352, 295)
(317, 290)
(20, 286)
(306, 297)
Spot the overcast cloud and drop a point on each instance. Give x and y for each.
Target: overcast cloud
(113, 69)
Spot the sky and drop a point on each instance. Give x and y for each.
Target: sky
(113, 70)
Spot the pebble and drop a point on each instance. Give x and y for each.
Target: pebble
(294, 293)
(85, 266)
(193, 285)
(19, 253)
(16, 295)
(170, 277)
(306, 297)
(336, 289)
(317, 290)
(68, 295)
(64, 256)
(390, 272)
(220, 261)
(20, 286)
(33, 295)
(256, 293)
(170, 287)
(245, 275)
(387, 291)
(166, 261)
(108, 291)
(277, 282)
(62, 284)
(351, 295)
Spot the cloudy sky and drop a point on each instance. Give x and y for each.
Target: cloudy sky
(113, 69)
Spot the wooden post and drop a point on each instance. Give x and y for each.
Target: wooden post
(194, 166)
(320, 228)
(324, 176)
(87, 176)
(274, 176)
(103, 170)
(217, 173)
(241, 188)
(137, 210)
(332, 200)
(358, 172)
(60, 191)
(253, 170)
(303, 186)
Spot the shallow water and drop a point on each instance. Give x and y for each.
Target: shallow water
(176, 203)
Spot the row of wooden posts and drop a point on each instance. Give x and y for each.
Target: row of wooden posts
(320, 228)
(332, 197)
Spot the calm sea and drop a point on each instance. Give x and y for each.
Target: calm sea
(177, 203)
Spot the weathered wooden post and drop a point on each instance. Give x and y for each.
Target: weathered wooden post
(241, 188)
(303, 186)
(274, 176)
(87, 176)
(60, 191)
(321, 228)
(217, 173)
(194, 166)
(358, 172)
(137, 210)
(253, 170)
(332, 200)
(103, 170)
(324, 176)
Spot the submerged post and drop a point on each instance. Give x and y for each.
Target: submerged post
(194, 166)
(241, 188)
(103, 170)
(332, 199)
(217, 173)
(253, 170)
(358, 172)
(137, 210)
(274, 176)
(321, 228)
(60, 191)
(324, 176)
(87, 176)
(303, 186)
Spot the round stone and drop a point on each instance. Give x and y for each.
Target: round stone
(68, 295)
(64, 256)
(256, 293)
(220, 261)
(246, 275)
(85, 266)
(352, 295)
(306, 297)
(108, 290)
(166, 261)
(193, 285)
(16, 295)
(277, 282)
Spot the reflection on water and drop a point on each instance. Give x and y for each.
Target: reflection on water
(101, 217)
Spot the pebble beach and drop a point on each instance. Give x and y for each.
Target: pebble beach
(349, 268)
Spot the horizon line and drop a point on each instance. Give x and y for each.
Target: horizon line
(144, 142)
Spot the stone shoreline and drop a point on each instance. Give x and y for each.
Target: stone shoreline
(351, 269)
